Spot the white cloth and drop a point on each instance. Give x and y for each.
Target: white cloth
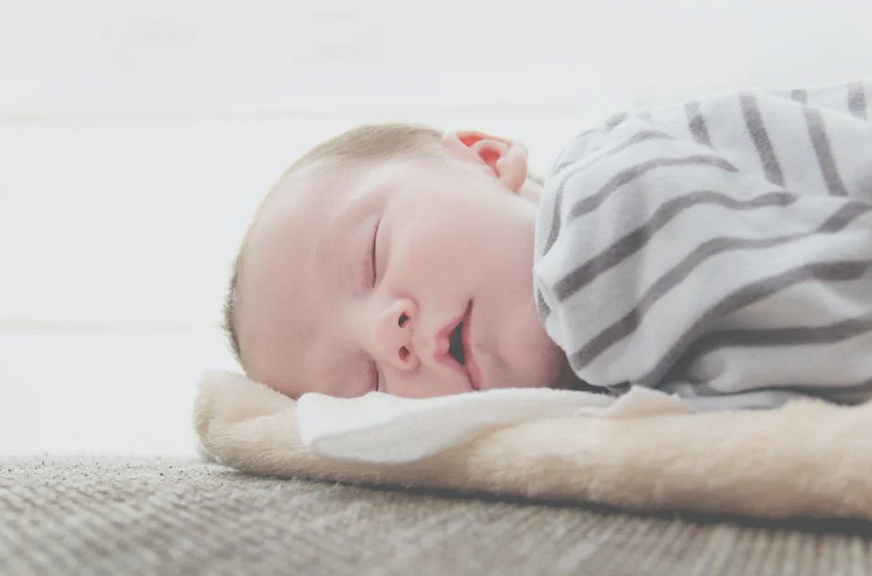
(720, 250)
(382, 428)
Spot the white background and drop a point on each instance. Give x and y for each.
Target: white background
(136, 138)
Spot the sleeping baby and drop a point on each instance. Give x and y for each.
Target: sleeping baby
(720, 250)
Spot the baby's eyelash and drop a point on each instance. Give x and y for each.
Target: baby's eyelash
(373, 255)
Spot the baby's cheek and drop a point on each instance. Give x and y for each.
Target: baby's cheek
(430, 254)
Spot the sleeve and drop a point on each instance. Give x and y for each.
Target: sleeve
(663, 262)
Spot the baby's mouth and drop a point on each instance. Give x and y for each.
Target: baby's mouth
(455, 347)
(455, 342)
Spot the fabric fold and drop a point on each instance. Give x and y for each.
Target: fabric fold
(381, 428)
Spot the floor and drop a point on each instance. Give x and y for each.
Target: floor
(175, 516)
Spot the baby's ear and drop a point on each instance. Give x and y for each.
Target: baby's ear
(505, 159)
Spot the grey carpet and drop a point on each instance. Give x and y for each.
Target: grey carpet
(111, 515)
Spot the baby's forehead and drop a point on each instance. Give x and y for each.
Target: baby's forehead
(280, 287)
(298, 201)
(298, 210)
(307, 202)
(319, 180)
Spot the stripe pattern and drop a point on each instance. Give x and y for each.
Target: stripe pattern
(817, 133)
(697, 123)
(714, 264)
(858, 95)
(760, 137)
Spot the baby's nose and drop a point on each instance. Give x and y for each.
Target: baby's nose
(392, 339)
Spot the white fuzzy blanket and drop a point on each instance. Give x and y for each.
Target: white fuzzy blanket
(808, 458)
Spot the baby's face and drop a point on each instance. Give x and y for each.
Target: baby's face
(410, 276)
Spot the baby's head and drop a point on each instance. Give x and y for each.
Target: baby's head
(394, 258)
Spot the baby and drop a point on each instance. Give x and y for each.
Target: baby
(720, 250)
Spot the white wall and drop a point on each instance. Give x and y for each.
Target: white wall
(137, 136)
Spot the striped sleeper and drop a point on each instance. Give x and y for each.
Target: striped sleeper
(720, 250)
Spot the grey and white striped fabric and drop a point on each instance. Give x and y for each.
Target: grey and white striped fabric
(721, 250)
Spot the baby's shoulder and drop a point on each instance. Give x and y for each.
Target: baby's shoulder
(617, 134)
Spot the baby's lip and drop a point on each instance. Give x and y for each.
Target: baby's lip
(443, 336)
(443, 344)
(471, 366)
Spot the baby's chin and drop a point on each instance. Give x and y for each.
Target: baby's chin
(528, 355)
(553, 371)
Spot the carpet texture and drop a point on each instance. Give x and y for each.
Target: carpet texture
(111, 515)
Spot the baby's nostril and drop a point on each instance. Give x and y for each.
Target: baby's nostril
(404, 353)
(403, 319)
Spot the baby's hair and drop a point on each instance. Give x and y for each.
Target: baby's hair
(369, 142)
